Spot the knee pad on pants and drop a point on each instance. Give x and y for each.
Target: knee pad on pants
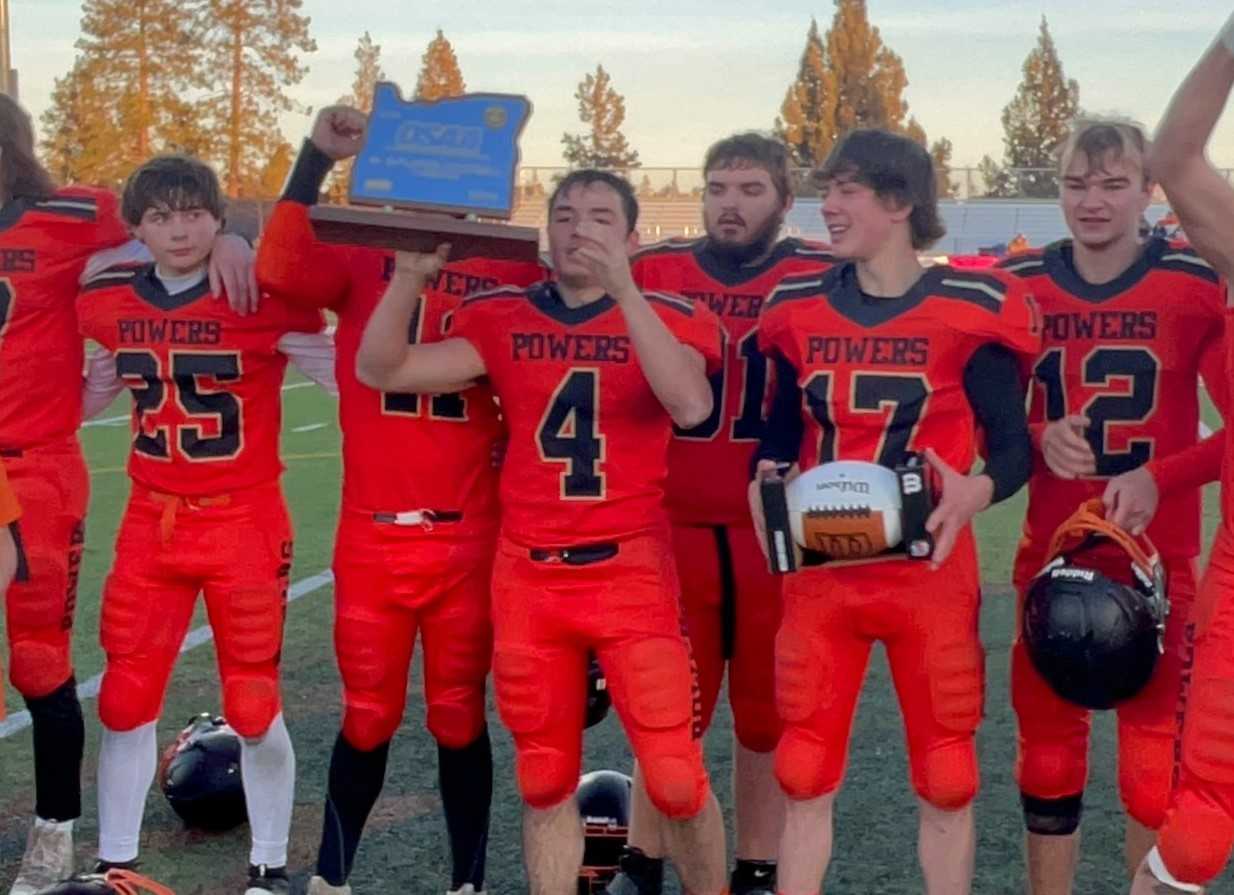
(652, 677)
(547, 760)
(129, 696)
(373, 700)
(1196, 838)
(1052, 769)
(804, 766)
(756, 723)
(945, 775)
(1145, 777)
(38, 668)
(250, 701)
(454, 675)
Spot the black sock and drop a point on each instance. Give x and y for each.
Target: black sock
(59, 741)
(466, 779)
(753, 876)
(639, 873)
(355, 783)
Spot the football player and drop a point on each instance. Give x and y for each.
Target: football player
(415, 542)
(206, 511)
(731, 602)
(877, 358)
(591, 373)
(47, 236)
(1193, 844)
(1126, 324)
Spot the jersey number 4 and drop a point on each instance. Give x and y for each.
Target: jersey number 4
(569, 433)
(142, 373)
(1134, 372)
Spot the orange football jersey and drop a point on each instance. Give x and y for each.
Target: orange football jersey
(882, 377)
(400, 452)
(709, 465)
(589, 439)
(1129, 355)
(44, 247)
(206, 382)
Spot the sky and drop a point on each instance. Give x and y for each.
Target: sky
(693, 71)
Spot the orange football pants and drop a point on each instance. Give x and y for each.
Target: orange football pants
(549, 609)
(1052, 759)
(927, 621)
(1198, 832)
(733, 607)
(53, 485)
(391, 581)
(237, 550)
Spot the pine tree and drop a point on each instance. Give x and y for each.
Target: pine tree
(603, 110)
(1036, 121)
(251, 49)
(940, 152)
(995, 178)
(847, 79)
(274, 173)
(368, 73)
(807, 115)
(440, 75)
(79, 128)
(125, 98)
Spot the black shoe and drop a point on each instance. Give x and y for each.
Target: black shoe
(638, 874)
(267, 879)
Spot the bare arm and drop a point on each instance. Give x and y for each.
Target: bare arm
(676, 373)
(1201, 196)
(387, 361)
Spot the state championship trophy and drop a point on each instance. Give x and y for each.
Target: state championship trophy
(427, 169)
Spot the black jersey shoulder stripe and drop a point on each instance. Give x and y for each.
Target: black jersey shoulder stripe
(666, 247)
(795, 287)
(681, 305)
(1183, 259)
(499, 292)
(984, 291)
(82, 208)
(113, 276)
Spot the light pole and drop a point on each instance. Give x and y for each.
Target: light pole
(8, 74)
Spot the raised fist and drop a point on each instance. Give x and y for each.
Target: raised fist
(339, 131)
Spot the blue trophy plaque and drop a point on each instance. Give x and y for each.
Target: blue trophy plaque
(427, 165)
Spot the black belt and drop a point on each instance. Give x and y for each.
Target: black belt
(418, 517)
(582, 555)
(11, 453)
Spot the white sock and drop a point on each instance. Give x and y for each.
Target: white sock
(127, 762)
(268, 767)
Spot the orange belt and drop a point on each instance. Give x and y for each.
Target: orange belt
(172, 504)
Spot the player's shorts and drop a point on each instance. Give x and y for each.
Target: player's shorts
(53, 486)
(927, 621)
(622, 601)
(1196, 837)
(234, 548)
(1052, 760)
(732, 607)
(392, 580)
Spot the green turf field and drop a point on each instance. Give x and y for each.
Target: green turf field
(405, 847)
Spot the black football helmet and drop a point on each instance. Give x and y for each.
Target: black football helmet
(1095, 639)
(604, 803)
(200, 775)
(598, 700)
(113, 882)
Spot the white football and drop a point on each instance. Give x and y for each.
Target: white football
(846, 510)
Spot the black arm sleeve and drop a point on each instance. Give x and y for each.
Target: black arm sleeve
(312, 166)
(992, 384)
(782, 435)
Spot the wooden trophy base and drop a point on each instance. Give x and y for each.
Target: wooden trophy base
(412, 231)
